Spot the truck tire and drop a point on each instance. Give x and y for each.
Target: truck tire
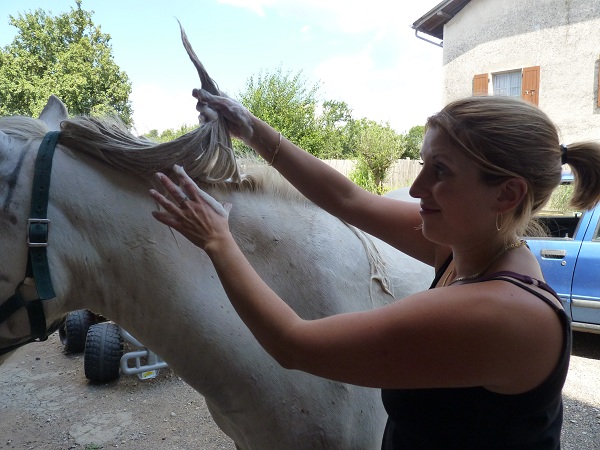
(103, 351)
(74, 331)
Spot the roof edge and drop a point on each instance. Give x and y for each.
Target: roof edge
(432, 23)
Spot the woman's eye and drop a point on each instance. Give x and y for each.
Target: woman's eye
(439, 169)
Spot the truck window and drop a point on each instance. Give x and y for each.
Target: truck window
(558, 218)
(596, 237)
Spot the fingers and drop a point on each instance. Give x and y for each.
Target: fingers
(192, 189)
(203, 96)
(237, 115)
(170, 215)
(205, 99)
(207, 113)
(166, 219)
(194, 213)
(178, 195)
(187, 191)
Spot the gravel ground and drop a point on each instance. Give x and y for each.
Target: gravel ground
(46, 403)
(581, 429)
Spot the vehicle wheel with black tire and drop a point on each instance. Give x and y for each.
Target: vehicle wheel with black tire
(103, 351)
(74, 331)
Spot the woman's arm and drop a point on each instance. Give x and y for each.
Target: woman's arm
(393, 221)
(454, 337)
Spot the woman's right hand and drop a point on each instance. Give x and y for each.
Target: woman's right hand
(191, 211)
(239, 119)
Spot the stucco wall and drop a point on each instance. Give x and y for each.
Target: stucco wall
(560, 36)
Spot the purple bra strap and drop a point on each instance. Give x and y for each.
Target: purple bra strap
(526, 279)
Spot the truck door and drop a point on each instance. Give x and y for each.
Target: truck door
(585, 294)
(557, 258)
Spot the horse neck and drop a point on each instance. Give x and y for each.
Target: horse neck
(111, 256)
(105, 243)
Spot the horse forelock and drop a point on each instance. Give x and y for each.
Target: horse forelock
(21, 127)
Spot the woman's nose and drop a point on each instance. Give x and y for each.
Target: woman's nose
(416, 189)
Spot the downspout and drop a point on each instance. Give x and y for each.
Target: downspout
(439, 44)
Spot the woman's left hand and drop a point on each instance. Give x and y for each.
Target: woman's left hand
(192, 212)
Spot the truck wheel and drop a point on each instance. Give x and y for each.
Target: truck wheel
(103, 351)
(73, 332)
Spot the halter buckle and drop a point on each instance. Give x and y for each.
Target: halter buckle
(37, 229)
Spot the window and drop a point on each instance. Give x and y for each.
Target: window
(596, 237)
(508, 84)
(558, 218)
(524, 83)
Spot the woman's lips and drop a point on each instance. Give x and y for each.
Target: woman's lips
(428, 210)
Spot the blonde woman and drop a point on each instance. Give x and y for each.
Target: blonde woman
(479, 360)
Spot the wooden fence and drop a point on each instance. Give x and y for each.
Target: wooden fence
(400, 174)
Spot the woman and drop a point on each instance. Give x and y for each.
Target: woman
(479, 360)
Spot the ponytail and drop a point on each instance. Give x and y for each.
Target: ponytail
(584, 160)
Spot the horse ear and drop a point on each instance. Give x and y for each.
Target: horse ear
(54, 113)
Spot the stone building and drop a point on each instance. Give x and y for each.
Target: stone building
(544, 51)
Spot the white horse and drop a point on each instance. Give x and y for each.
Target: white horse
(107, 254)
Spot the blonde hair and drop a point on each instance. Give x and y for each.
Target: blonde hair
(509, 137)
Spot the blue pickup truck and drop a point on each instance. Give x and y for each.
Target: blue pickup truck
(570, 257)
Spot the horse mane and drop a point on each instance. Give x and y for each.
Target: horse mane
(201, 152)
(258, 177)
(204, 159)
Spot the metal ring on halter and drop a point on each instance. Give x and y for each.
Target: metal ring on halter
(183, 200)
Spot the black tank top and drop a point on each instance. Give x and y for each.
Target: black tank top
(476, 418)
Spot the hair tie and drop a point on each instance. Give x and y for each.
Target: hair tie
(563, 154)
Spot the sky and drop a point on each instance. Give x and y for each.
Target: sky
(363, 53)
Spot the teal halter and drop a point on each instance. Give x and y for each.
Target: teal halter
(37, 241)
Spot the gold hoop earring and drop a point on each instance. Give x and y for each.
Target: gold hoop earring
(498, 222)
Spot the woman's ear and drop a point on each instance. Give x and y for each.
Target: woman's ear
(511, 194)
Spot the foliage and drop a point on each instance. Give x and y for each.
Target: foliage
(336, 123)
(285, 102)
(413, 140)
(170, 134)
(93, 447)
(65, 55)
(378, 147)
(560, 200)
(362, 176)
(327, 130)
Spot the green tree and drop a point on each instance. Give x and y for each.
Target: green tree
(169, 134)
(284, 100)
(378, 146)
(336, 125)
(413, 141)
(65, 55)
